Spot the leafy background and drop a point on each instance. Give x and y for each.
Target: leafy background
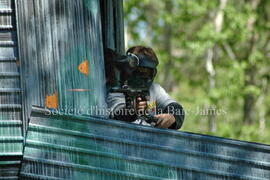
(214, 60)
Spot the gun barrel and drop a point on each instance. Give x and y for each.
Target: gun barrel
(129, 90)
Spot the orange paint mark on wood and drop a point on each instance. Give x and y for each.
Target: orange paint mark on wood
(83, 67)
(52, 101)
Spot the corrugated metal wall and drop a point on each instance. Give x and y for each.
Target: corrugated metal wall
(61, 51)
(112, 16)
(11, 139)
(62, 68)
(70, 147)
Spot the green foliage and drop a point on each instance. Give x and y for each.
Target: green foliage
(182, 32)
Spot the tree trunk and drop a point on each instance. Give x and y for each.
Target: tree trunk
(211, 52)
(261, 105)
(249, 100)
(248, 108)
(167, 76)
(211, 77)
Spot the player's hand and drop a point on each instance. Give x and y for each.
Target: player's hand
(141, 105)
(165, 120)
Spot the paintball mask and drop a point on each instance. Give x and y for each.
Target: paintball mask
(136, 71)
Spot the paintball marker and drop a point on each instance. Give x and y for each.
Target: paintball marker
(136, 76)
(131, 96)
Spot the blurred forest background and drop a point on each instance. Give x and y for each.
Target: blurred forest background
(214, 59)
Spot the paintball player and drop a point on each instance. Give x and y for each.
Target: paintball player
(166, 111)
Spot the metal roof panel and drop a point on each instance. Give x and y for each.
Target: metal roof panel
(81, 145)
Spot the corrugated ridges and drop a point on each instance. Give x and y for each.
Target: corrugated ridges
(11, 140)
(10, 90)
(7, 15)
(83, 145)
(55, 39)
